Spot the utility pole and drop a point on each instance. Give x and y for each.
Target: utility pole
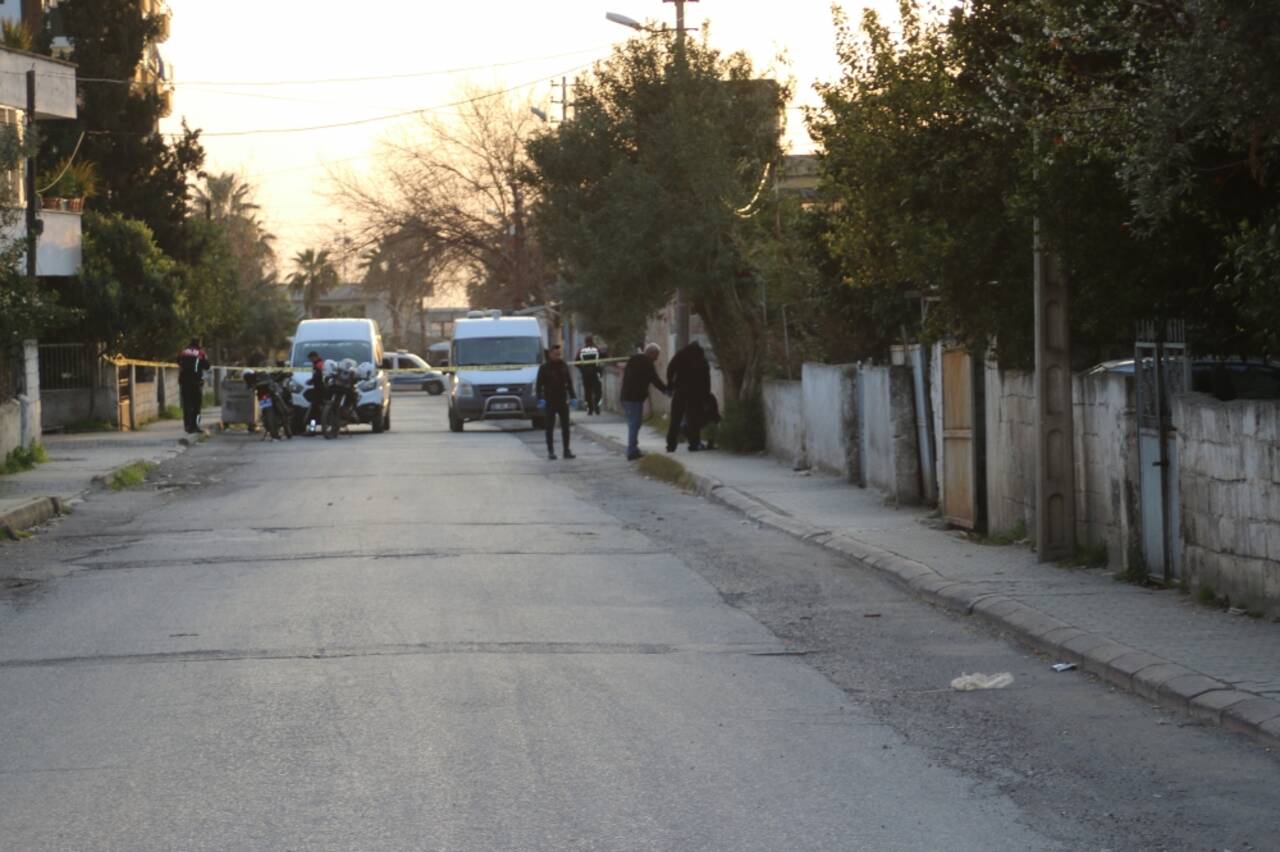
(682, 304)
(1055, 456)
(33, 221)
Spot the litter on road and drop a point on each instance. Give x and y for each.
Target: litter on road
(978, 680)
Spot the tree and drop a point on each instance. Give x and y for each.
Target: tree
(314, 275)
(648, 188)
(128, 287)
(402, 269)
(142, 176)
(454, 184)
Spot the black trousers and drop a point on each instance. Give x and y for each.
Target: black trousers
(562, 410)
(192, 396)
(686, 410)
(592, 390)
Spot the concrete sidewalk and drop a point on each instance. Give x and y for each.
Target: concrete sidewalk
(75, 461)
(1160, 644)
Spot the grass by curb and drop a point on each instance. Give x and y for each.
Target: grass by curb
(666, 469)
(134, 473)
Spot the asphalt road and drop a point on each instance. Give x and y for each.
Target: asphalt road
(424, 640)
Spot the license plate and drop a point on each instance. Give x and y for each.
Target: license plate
(264, 403)
(506, 406)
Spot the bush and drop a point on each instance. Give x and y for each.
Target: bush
(24, 458)
(742, 426)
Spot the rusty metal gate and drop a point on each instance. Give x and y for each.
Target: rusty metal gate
(1161, 370)
(959, 445)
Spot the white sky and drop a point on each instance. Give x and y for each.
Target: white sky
(215, 46)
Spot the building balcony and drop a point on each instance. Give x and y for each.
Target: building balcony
(58, 248)
(55, 83)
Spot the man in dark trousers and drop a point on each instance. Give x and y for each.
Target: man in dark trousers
(192, 365)
(315, 394)
(590, 371)
(689, 376)
(554, 388)
(637, 376)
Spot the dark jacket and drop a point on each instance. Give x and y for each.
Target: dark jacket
(636, 378)
(192, 364)
(554, 384)
(588, 370)
(689, 373)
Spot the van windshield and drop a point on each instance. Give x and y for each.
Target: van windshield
(331, 350)
(485, 351)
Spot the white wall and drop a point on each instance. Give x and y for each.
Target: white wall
(1010, 397)
(784, 421)
(889, 446)
(1106, 454)
(831, 418)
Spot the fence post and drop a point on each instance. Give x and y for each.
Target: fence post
(133, 398)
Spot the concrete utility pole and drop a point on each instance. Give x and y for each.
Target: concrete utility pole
(1055, 453)
(682, 304)
(33, 219)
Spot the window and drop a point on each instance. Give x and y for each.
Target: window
(331, 350)
(479, 351)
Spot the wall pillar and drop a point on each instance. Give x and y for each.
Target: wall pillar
(1055, 455)
(30, 398)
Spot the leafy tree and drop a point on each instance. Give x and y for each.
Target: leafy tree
(141, 175)
(313, 276)
(128, 287)
(650, 187)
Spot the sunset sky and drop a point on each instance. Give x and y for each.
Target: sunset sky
(253, 65)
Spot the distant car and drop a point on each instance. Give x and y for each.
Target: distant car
(1223, 378)
(431, 381)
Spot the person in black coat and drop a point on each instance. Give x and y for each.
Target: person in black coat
(192, 365)
(689, 376)
(554, 388)
(637, 377)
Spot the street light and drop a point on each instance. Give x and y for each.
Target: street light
(624, 20)
(541, 116)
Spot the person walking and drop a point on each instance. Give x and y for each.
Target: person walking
(637, 376)
(587, 357)
(192, 365)
(689, 376)
(554, 389)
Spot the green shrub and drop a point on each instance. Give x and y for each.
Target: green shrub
(742, 426)
(25, 458)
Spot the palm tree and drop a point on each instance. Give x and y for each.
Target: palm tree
(225, 196)
(313, 276)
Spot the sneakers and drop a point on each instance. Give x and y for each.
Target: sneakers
(551, 455)
(569, 455)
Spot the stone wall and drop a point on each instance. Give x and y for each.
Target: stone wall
(1108, 509)
(10, 426)
(891, 458)
(784, 421)
(1229, 487)
(829, 401)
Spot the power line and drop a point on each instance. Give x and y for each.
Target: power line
(340, 124)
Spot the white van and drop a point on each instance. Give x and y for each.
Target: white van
(491, 339)
(333, 340)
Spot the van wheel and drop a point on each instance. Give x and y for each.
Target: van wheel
(455, 422)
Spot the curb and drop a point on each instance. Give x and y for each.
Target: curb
(1158, 680)
(29, 514)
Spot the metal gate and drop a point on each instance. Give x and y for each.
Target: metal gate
(959, 449)
(1161, 370)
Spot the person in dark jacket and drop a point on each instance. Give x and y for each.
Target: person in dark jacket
(192, 365)
(587, 357)
(554, 389)
(689, 376)
(637, 376)
(315, 394)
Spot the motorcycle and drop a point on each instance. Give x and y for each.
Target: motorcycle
(341, 398)
(274, 400)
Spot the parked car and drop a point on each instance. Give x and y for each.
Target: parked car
(1223, 378)
(431, 381)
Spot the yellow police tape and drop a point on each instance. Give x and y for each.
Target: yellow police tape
(122, 361)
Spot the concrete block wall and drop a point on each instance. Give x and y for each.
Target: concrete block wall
(1229, 488)
(20, 416)
(829, 402)
(888, 432)
(1010, 402)
(10, 426)
(784, 421)
(1108, 507)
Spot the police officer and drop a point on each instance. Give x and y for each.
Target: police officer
(192, 365)
(588, 355)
